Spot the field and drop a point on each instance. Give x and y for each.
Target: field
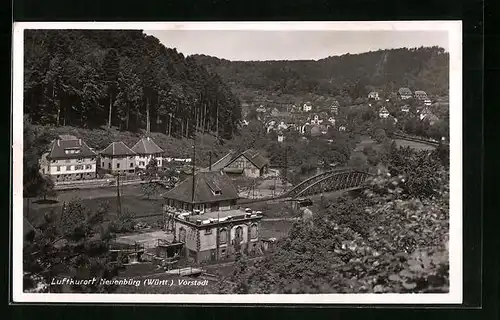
(413, 144)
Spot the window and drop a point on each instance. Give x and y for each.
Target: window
(238, 234)
(217, 192)
(254, 231)
(58, 168)
(208, 231)
(131, 165)
(223, 236)
(88, 166)
(141, 163)
(79, 167)
(109, 165)
(182, 235)
(223, 251)
(68, 168)
(118, 165)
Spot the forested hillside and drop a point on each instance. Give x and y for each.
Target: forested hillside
(350, 76)
(124, 79)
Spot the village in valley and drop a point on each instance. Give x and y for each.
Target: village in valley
(192, 201)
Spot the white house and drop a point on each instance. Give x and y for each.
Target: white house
(118, 158)
(69, 159)
(281, 137)
(316, 120)
(146, 149)
(373, 95)
(383, 113)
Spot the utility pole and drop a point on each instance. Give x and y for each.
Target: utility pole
(209, 160)
(118, 204)
(285, 169)
(193, 171)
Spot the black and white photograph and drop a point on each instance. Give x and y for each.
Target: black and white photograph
(242, 162)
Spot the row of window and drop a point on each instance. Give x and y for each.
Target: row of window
(223, 234)
(117, 165)
(72, 160)
(77, 167)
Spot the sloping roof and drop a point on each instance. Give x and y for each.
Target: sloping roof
(117, 149)
(67, 137)
(58, 147)
(222, 162)
(420, 93)
(205, 183)
(255, 157)
(146, 146)
(404, 91)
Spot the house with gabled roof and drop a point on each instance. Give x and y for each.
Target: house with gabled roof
(383, 113)
(145, 150)
(68, 159)
(250, 163)
(203, 215)
(420, 95)
(374, 96)
(404, 93)
(118, 158)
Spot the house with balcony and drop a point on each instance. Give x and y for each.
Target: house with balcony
(404, 93)
(118, 158)
(373, 96)
(69, 159)
(202, 213)
(145, 150)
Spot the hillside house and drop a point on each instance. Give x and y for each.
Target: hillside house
(69, 159)
(118, 158)
(374, 96)
(307, 107)
(404, 93)
(427, 115)
(331, 120)
(334, 109)
(145, 150)
(383, 113)
(250, 163)
(281, 136)
(316, 120)
(420, 96)
(261, 109)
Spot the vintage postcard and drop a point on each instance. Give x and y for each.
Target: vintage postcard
(237, 162)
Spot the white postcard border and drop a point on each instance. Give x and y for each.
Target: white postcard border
(454, 29)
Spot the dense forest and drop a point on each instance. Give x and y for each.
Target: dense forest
(124, 79)
(351, 75)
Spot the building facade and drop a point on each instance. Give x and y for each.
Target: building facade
(420, 96)
(404, 93)
(69, 160)
(208, 221)
(373, 95)
(145, 150)
(383, 113)
(118, 158)
(250, 163)
(307, 107)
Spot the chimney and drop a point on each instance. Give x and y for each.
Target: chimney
(80, 141)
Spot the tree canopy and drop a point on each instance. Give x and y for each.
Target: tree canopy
(122, 78)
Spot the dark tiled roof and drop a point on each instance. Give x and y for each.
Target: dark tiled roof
(58, 147)
(146, 146)
(117, 149)
(205, 183)
(404, 91)
(223, 162)
(256, 158)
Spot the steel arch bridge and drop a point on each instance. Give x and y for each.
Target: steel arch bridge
(334, 180)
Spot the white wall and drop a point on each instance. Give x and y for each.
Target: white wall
(72, 163)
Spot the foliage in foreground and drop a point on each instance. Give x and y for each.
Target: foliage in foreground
(393, 239)
(74, 243)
